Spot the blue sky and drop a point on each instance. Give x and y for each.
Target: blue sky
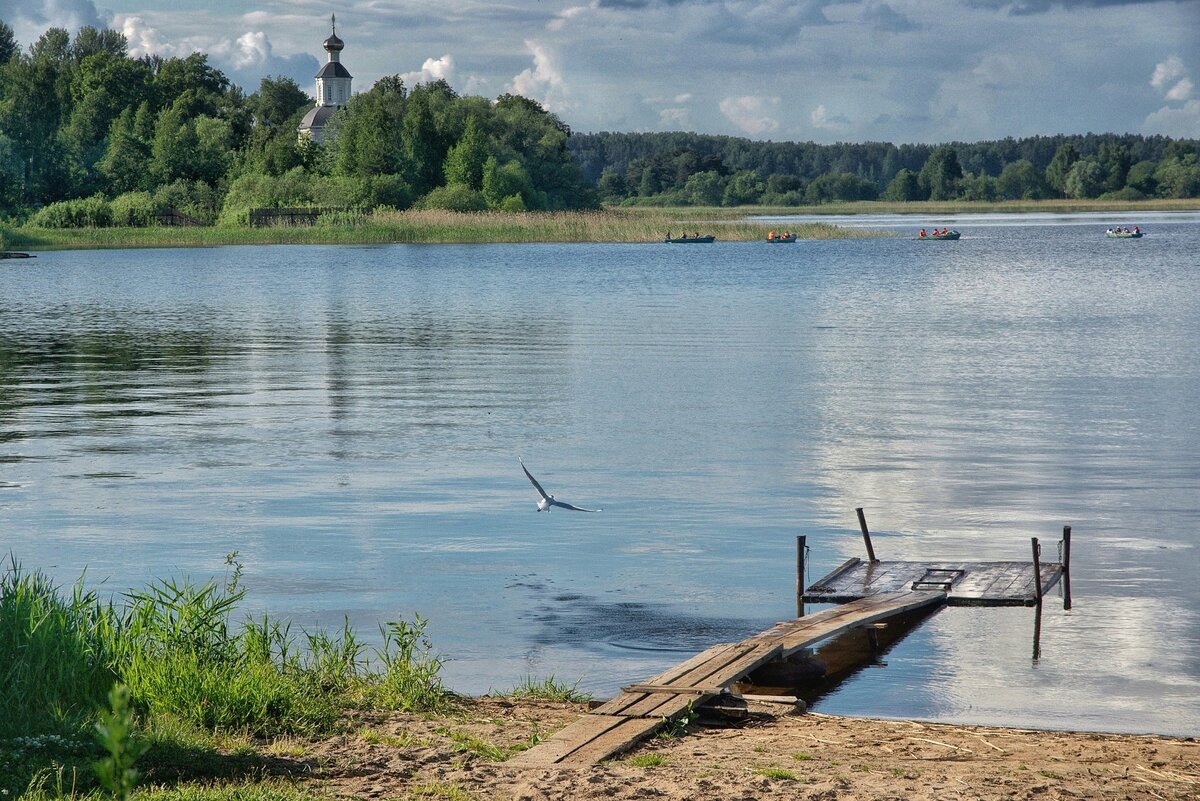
(820, 70)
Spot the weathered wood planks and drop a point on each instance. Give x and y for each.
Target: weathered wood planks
(642, 708)
(970, 583)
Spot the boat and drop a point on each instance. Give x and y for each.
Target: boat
(9, 254)
(689, 240)
(948, 235)
(1115, 234)
(783, 238)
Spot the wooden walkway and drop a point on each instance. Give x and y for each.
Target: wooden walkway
(642, 708)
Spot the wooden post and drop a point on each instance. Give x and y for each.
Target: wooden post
(862, 523)
(1037, 633)
(800, 541)
(1066, 567)
(1037, 570)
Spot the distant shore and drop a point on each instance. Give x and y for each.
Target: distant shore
(628, 224)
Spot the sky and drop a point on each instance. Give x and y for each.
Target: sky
(801, 70)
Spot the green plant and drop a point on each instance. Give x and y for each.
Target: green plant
(114, 732)
(776, 773)
(647, 760)
(549, 689)
(411, 677)
(801, 757)
(465, 742)
(678, 726)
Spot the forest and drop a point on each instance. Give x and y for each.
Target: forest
(91, 137)
(693, 169)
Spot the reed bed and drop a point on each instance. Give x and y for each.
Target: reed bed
(438, 227)
(192, 668)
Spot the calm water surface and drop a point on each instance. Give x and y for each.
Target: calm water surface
(349, 420)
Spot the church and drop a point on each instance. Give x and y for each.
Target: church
(333, 88)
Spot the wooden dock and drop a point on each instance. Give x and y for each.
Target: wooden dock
(867, 591)
(642, 708)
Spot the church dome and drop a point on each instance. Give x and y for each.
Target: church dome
(333, 44)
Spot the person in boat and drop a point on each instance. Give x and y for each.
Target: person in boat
(922, 234)
(771, 236)
(1137, 230)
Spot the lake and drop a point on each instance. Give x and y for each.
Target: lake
(349, 420)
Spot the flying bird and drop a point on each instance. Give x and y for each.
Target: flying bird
(546, 502)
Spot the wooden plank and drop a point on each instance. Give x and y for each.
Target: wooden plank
(845, 566)
(671, 688)
(567, 740)
(669, 676)
(613, 742)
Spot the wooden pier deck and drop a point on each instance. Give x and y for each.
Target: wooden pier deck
(642, 708)
(965, 583)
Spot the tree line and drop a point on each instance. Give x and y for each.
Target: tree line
(697, 169)
(91, 136)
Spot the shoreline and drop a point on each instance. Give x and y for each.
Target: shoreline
(612, 225)
(768, 755)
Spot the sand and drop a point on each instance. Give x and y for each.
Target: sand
(771, 755)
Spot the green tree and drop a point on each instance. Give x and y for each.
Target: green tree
(1179, 176)
(705, 188)
(904, 187)
(1060, 166)
(940, 176)
(744, 187)
(365, 138)
(613, 186)
(8, 43)
(124, 161)
(1021, 180)
(276, 102)
(464, 162)
(1085, 180)
(502, 181)
(1114, 159)
(1141, 178)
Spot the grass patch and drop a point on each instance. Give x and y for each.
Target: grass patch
(801, 757)
(467, 743)
(776, 773)
(647, 760)
(549, 689)
(200, 685)
(402, 740)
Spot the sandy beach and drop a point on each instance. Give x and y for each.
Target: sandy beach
(768, 755)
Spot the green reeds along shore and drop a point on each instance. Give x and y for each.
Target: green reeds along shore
(433, 227)
(199, 679)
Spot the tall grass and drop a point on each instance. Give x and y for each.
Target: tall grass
(434, 226)
(189, 663)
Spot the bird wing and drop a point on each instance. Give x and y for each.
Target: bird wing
(572, 508)
(533, 480)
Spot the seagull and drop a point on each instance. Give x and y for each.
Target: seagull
(546, 502)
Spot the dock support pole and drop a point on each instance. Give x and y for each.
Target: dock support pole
(1037, 570)
(1066, 567)
(800, 545)
(862, 523)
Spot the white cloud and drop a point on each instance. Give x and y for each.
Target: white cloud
(143, 39)
(683, 98)
(1181, 91)
(543, 81)
(674, 118)
(433, 69)
(1167, 71)
(29, 19)
(820, 119)
(568, 14)
(750, 113)
(1181, 122)
(1171, 78)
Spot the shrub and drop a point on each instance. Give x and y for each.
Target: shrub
(194, 198)
(454, 198)
(133, 209)
(513, 203)
(88, 212)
